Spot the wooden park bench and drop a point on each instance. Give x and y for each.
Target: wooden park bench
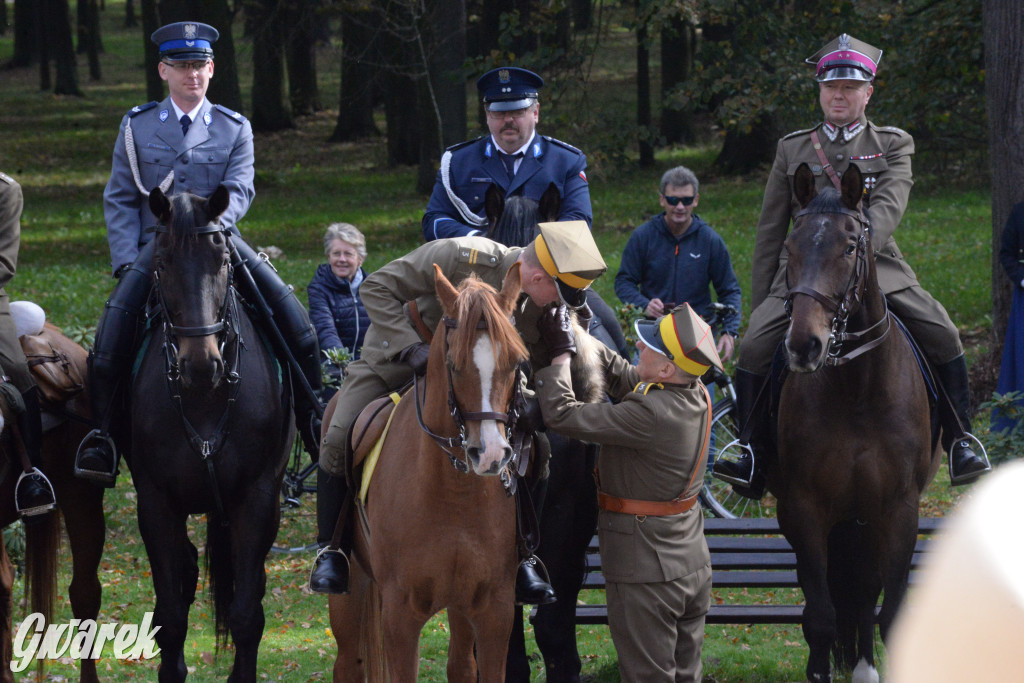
(745, 553)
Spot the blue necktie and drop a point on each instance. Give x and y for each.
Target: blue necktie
(185, 123)
(510, 162)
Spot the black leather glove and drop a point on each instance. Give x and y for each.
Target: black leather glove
(415, 356)
(555, 327)
(530, 418)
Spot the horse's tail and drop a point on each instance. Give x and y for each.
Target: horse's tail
(374, 653)
(220, 573)
(42, 547)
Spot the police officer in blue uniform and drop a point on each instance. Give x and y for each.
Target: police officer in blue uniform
(183, 144)
(513, 157)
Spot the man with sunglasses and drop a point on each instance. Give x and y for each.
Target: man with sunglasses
(674, 257)
(512, 157)
(183, 144)
(845, 72)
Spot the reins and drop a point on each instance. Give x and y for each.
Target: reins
(853, 294)
(227, 329)
(449, 443)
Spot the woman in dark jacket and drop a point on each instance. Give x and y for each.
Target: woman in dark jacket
(335, 308)
(1011, 372)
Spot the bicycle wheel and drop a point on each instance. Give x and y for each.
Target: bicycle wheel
(298, 504)
(717, 497)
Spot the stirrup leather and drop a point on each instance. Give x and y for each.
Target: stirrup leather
(981, 453)
(91, 475)
(39, 509)
(739, 448)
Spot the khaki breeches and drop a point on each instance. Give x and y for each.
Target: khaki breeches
(363, 383)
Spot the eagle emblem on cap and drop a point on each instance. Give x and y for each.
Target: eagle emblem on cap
(191, 32)
(844, 41)
(504, 76)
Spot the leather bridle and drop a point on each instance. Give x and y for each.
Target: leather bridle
(843, 306)
(459, 417)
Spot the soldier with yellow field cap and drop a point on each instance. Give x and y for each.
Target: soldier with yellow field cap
(845, 70)
(555, 268)
(654, 446)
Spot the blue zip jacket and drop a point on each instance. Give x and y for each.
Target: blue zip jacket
(658, 265)
(336, 310)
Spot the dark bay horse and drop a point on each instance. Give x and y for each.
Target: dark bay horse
(437, 528)
(211, 431)
(81, 506)
(566, 502)
(856, 448)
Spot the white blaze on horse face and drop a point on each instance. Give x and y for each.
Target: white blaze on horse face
(493, 446)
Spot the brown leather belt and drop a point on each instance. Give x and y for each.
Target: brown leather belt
(653, 508)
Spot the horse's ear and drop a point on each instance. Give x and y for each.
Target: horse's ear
(852, 186)
(510, 288)
(445, 291)
(218, 202)
(803, 185)
(494, 204)
(550, 203)
(160, 205)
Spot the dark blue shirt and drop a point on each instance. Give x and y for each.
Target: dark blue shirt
(658, 265)
(475, 165)
(336, 310)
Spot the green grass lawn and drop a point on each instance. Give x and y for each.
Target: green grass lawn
(59, 149)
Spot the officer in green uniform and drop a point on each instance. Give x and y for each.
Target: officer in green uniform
(558, 266)
(33, 494)
(845, 70)
(654, 446)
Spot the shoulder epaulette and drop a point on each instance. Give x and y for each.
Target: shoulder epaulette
(564, 145)
(6, 178)
(233, 115)
(805, 131)
(134, 111)
(467, 143)
(890, 129)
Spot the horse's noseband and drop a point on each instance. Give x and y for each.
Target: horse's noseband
(854, 293)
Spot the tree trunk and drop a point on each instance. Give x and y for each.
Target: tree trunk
(360, 49)
(63, 47)
(745, 149)
(677, 48)
(582, 14)
(643, 97)
(42, 24)
(89, 41)
(224, 88)
(302, 17)
(150, 23)
(270, 109)
(3, 18)
(1004, 93)
(130, 21)
(26, 33)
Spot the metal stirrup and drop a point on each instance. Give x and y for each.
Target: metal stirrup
(737, 445)
(967, 436)
(39, 509)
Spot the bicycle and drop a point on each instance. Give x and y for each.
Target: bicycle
(717, 497)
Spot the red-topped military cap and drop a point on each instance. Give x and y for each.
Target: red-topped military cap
(846, 58)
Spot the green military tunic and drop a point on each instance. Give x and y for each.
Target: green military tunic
(12, 358)
(883, 156)
(658, 568)
(386, 294)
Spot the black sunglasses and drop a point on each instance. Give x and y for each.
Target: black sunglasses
(673, 201)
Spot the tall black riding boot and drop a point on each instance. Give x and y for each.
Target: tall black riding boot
(965, 466)
(330, 572)
(736, 463)
(117, 338)
(294, 330)
(33, 494)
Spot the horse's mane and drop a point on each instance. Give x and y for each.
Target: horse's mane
(477, 301)
(517, 225)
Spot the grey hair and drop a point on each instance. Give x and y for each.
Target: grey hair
(346, 232)
(679, 176)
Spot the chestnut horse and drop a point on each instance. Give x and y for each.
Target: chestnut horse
(81, 505)
(856, 448)
(437, 527)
